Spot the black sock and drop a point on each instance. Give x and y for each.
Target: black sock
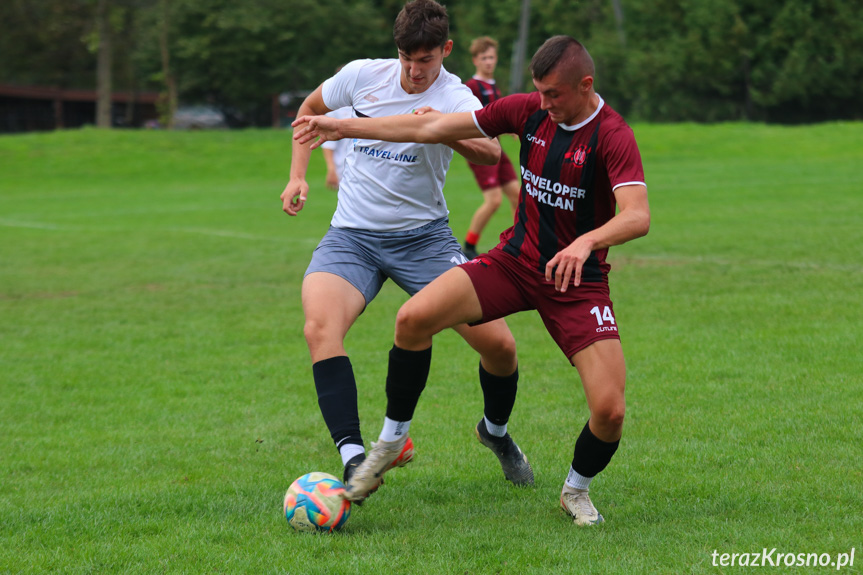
(591, 454)
(337, 398)
(407, 374)
(499, 394)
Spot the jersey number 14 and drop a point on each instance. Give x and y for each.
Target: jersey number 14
(602, 316)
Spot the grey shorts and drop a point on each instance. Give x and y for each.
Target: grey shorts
(412, 258)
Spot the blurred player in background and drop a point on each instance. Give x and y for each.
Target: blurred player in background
(391, 221)
(494, 181)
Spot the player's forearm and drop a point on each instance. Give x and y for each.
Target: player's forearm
(627, 225)
(301, 153)
(478, 150)
(431, 128)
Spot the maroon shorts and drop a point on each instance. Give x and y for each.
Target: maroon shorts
(494, 176)
(574, 319)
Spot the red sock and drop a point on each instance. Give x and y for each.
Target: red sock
(472, 238)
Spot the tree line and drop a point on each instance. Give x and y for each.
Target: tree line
(786, 61)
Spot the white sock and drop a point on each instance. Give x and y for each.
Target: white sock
(394, 430)
(577, 481)
(350, 450)
(496, 430)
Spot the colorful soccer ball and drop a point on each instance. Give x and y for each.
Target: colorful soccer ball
(313, 503)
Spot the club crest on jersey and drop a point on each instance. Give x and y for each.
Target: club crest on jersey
(577, 156)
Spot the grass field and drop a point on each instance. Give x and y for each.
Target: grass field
(156, 397)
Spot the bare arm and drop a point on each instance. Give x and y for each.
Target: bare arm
(428, 128)
(478, 150)
(631, 221)
(294, 196)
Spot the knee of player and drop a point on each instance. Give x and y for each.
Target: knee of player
(314, 331)
(609, 414)
(412, 321)
(504, 349)
(493, 199)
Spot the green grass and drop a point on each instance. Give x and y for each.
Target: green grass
(157, 397)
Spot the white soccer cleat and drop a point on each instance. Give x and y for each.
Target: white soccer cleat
(577, 504)
(368, 476)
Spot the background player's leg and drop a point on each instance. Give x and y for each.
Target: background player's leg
(491, 198)
(511, 190)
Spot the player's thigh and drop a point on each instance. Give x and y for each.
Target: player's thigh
(492, 196)
(581, 321)
(485, 176)
(447, 301)
(498, 281)
(353, 256)
(495, 344)
(577, 317)
(505, 171)
(416, 258)
(330, 304)
(602, 370)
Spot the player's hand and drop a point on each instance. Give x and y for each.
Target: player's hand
(324, 128)
(569, 262)
(294, 196)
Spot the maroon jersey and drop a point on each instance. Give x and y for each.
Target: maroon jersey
(487, 92)
(568, 174)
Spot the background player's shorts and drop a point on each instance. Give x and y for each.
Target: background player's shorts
(493, 176)
(575, 319)
(412, 258)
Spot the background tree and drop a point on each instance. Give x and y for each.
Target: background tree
(41, 42)
(657, 60)
(104, 50)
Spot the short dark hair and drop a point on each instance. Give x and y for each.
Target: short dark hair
(563, 51)
(421, 25)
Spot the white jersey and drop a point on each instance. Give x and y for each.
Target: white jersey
(388, 186)
(339, 147)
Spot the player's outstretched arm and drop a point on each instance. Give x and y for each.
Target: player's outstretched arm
(295, 193)
(428, 128)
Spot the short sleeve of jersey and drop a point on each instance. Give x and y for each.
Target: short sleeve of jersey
(338, 90)
(622, 157)
(506, 115)
(462, 99)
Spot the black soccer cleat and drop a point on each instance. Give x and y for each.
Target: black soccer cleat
(514, 462)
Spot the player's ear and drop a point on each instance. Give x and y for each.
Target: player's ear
(586, 84)
(447, 48)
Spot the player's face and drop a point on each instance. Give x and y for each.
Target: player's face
(564, 102)
(486, 62)
(421, 68)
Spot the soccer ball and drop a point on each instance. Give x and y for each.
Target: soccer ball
(313, 503)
